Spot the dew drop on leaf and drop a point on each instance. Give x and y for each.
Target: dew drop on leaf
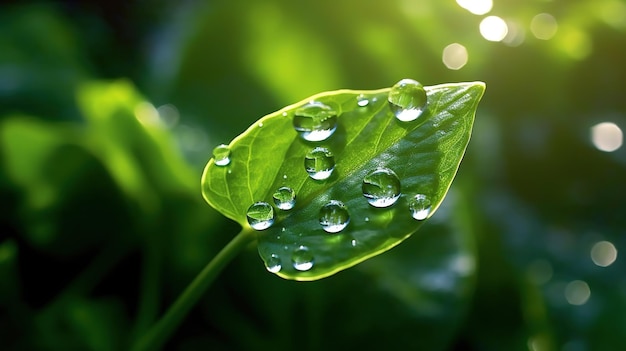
(407, 100)
(273, 264)
(285, 198)
(334, 216)
(260, 215)
(302, 259)
(319, 163)
(315, 121)
(381, 187)
(420, 207)
(362, 100)
(221, 154)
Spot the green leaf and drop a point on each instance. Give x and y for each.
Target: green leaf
(424, 153)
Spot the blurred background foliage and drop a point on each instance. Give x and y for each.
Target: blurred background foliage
(109, 111)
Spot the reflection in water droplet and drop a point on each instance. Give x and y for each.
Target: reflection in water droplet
(221, 154)
(302, 259)
(362, 100)
(273, 263)
(319, 163)
(420, 207)
(260, 215)
(407, 100)
(381, 187)
(315, 121)
(334, 216)
(285, 198)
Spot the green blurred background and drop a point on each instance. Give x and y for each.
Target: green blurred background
(109, 111)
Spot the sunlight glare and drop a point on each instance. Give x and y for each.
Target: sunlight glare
(477, 7)
(607, 136)
(454, 56)
(493, 28)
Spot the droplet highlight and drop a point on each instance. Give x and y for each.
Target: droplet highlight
(260, 215)
(319, 163)
(315, 121)
(381, 187)
(273, 263)
(221, 155)
(420, 207)
(302, 259)
(285, 198)
(407, 100)
(334, 216)
(362, 100)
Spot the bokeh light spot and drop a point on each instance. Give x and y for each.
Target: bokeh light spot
(515, 34)
(577, 292)
(613, 13)
(477, 7)
(493, 28)
(146, 114)
(575, 43)
(543, 26)
(607, 136)
(603, 253)
(454, 56)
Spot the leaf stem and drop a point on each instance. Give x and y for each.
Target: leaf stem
(161, 331)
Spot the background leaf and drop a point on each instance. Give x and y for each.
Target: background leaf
(424, 153)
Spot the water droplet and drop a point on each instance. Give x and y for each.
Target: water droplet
(221, 154)
(285, 198)
(260, 215)
(407, 100)
(334, 216)
(315, 121)
(381, 188)
(353, 243)
(362, 100)
(273, 263)
(260, 124)
(319, 163)
(284, 176)
(420, 207)
(302, 259)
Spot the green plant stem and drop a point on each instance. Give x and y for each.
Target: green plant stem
(161, 331)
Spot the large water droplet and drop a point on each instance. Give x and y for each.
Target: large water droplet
(362, 100)
(334, 216)
(273, 264)
(260, 215)
(319, 163)
(285, 198)
(221, 154)
(407, 100)
(420, 206)
(315, 121)
(381, 188)
(302, 259)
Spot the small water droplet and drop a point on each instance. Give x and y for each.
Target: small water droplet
(334, 216)
(221, 154)
(285, 198)
(285, 114)
(381, 187)
(367, 219)
(319, 163)
(273, 263)
(260, 124)
(407, 100)
(284, 176)
(420, 207)
(353, 243)
(302, 259)
(362, 100)
(315, 121)
(260, 215)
